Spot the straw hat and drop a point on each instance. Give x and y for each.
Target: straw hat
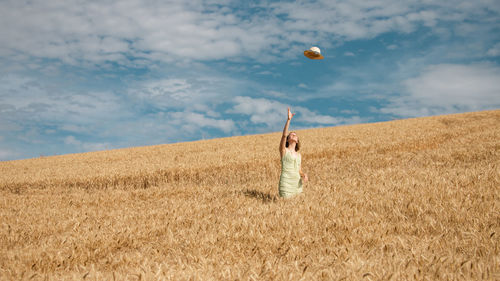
(314, 53)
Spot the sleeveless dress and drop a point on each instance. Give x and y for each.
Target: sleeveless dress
(290, 181)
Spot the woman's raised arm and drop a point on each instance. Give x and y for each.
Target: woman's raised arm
(285, 133)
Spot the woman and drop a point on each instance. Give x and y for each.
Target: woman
(291, 177)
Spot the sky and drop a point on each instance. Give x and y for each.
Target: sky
(83, 75)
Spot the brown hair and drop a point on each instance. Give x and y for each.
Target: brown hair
(297, 146)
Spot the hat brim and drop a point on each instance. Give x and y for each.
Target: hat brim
(313, 55)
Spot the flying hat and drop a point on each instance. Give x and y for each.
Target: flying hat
(314, 53)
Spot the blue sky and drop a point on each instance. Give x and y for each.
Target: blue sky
(80, 76)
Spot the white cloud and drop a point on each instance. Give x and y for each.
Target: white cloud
(71, 140)
(276, 94)
(266, 73)
(177, 88)
(261, 111)
(29, 99)
(359, 19)
(92, 146)
(349, 54)
(494, 51)
(273, 114)
(86, 146)
(308, 116)
(349, 111)
(73, 128)
(192, 121)
(6, 154)
(190, 93)
(448, 88)
(164, 93)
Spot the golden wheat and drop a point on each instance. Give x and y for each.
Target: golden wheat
(414, 199)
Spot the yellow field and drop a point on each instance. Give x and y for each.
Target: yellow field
(400, 200)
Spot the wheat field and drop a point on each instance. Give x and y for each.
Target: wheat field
(414, 199)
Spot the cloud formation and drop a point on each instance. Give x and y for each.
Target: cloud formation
(192, 121)
(129, 32)
(272, 113)
(448, 88)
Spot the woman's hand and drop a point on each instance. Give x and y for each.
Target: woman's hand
(290, 114)
(304, 177)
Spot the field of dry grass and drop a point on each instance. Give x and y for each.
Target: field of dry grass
(414, 199)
